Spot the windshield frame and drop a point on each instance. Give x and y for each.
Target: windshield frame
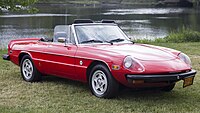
(92, 24)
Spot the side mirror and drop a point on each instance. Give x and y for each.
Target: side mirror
(62, 39)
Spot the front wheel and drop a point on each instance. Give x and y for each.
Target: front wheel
(101, 82)
(28, 70)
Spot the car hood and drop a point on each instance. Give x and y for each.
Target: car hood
(139, 51)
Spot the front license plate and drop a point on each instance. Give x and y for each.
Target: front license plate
(188, 81)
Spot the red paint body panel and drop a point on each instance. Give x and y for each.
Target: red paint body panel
(65, 61)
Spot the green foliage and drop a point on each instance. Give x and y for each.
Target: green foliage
(182, 35)
(17, 5)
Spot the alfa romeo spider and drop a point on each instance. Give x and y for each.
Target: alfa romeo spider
(101, 55)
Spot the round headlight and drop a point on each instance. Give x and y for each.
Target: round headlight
(185, 58)
(128, 61)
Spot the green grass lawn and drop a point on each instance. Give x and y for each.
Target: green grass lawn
(54, 95)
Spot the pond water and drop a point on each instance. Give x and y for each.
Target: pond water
(137, 22)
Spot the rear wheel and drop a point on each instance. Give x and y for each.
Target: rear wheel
(28, 70)
(168, 88)
(101, 82)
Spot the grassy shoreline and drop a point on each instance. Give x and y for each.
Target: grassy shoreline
(182, 35)
(61, 95)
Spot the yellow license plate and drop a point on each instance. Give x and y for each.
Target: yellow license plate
(188, 81)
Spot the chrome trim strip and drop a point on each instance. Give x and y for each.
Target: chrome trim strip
(60, 63)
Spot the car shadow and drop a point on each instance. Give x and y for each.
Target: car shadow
(152, 94)
(126, 93)
(61, 81)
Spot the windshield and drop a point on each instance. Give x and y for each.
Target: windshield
(100, 34)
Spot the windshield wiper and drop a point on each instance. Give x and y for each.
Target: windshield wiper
(93, 41)
(116, 40)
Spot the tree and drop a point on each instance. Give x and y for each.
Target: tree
(17, 5)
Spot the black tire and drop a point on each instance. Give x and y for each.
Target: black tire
(168, 88)
(28, 70)
(110, 90)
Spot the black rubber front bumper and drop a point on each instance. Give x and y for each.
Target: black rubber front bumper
(6, 57)
(162, 78)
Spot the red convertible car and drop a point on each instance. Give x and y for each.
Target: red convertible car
(101, 55)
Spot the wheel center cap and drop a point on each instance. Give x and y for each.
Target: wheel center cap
(99, 82)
